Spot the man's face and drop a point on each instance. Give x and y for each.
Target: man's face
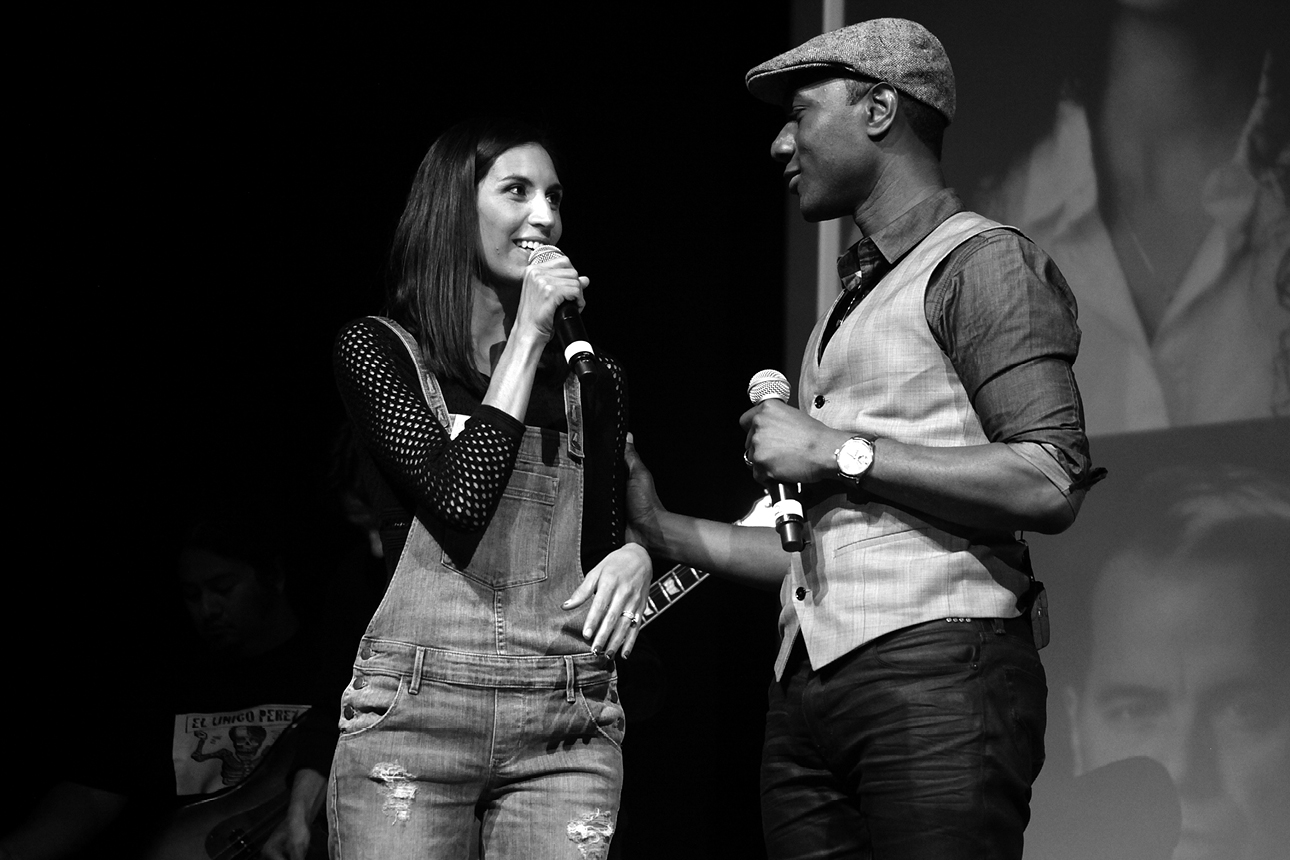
(827, 155)
(1176, 674)
(228, 603)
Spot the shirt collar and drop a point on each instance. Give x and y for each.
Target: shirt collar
(896, 239)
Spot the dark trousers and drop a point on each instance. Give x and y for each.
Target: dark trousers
(920, 744)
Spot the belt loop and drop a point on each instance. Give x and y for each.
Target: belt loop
(415, 686)
(568, 679)
(999, 629)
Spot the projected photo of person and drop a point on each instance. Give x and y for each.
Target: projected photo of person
(1187, 658)
(1160, 190)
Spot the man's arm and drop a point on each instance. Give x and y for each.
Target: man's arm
(290, 839)
(980, 486)
(1004, 315)
(748, 555)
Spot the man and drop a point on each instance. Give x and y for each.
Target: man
(940, 416)
(203, 720)
(1187, 662)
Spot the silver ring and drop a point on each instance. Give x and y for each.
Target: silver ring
(747, 460)
(633, 617)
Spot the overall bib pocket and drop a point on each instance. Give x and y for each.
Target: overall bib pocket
(513, 549)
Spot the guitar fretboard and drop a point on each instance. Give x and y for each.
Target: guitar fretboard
(673, 585)
(669, 588)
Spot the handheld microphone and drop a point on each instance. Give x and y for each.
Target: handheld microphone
(790, 519)
(568, 326)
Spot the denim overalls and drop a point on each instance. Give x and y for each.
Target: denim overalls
(474, 693)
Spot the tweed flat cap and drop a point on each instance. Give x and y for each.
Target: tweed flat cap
(900, 52)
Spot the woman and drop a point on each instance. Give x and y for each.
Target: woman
(485, 685)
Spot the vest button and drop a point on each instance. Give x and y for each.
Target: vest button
(801, 593)
(819, 401)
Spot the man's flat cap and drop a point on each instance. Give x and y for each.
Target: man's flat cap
(900, 52)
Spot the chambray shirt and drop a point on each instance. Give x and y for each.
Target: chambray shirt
(1005, 317)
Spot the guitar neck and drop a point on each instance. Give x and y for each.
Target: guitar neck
(677, 582)
(668, 589)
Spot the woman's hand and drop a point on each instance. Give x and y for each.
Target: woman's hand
(620, 585)
(548, 284)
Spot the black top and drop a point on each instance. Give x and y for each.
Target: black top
(189, 692)
(459, 481)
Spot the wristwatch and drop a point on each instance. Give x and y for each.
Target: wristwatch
(854, 459)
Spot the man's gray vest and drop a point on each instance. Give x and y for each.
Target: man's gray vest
(872, 568)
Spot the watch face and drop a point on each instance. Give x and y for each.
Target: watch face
(854, 457)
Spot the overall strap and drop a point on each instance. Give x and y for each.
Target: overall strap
(429, 385)
(573, 414)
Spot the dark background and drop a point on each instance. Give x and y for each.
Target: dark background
(213, 197)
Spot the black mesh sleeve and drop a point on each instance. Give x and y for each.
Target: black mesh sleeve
(458, 481)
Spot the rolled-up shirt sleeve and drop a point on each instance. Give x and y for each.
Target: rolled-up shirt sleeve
(1004, 315)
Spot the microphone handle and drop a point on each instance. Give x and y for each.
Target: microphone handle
(790, 519)
(567, 325)
(790, 516)
(573, 340)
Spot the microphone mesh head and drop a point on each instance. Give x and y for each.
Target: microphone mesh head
(542, 253)
(768, 384)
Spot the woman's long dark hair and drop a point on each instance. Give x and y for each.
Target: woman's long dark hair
(436, 245)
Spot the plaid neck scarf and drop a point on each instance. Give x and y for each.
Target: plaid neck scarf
(860, 268)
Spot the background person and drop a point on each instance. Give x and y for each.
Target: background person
(1160, 187)
(1187, 659)
(240, 705)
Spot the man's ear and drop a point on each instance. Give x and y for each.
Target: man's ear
(880, 105)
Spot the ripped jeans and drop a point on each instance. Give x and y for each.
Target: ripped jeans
(524, 751)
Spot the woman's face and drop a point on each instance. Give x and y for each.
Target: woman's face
(519, 209)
